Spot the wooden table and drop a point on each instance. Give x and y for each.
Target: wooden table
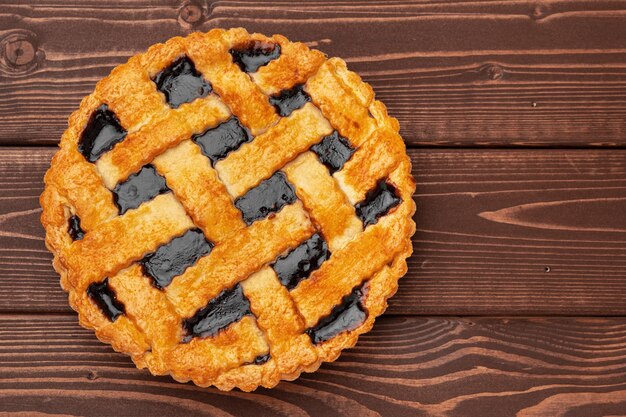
(515, 116)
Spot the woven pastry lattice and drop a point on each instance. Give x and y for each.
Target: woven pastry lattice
(230, 208)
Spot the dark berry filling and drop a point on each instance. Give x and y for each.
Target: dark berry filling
(139, 188)
(377, 203)
(74, 229)
(348, 315)
(269, 196)
(254, 55)
(102, 132)
(173, 258)
(261, 359)
(289, 100)
(333, 151)
(228, 307)
(218, 142)
(298, 264)
(181, 83)
(104, 297)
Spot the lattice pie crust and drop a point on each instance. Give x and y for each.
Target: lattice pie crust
(230, 208)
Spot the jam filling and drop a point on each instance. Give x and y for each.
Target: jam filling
(298, 264)
(219, 141)
(261, 359)
(139, 188)
(74, 229)
(255, 55)
(102, 132)
(333, 151)
(173, 258)
(347, 316)
(289, 100)
(104, 297)
(181, 83)
(377, 203)
(228, 307)
(269, 196)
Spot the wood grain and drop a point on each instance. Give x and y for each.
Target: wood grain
(404, 367)
(499, 232)
(508, 232)
(453, 73)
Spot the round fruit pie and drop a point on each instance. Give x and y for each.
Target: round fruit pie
(230, 208)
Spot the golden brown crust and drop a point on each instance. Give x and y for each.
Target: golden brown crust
(164, 132)
(259, 159)
(203, 195)
(327, 206)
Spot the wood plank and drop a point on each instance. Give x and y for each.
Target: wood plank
(518, 232)
(404, 367)
(499, 232)
(480, 73)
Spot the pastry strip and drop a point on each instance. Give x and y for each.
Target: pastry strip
(124, 239)
(237, 258)
(257, 160)
(324, 200)
(195, 183)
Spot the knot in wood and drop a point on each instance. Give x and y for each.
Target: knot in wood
(190, 14)
(540, 11)
(19, 52)
(495, 72)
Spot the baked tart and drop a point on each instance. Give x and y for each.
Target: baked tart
(230, 208)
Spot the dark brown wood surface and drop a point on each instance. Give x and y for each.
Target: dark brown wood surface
(408, 366)
(458, 72)
(500, 103)
(498, 232)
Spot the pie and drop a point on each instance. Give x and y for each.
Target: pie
(230, 208)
